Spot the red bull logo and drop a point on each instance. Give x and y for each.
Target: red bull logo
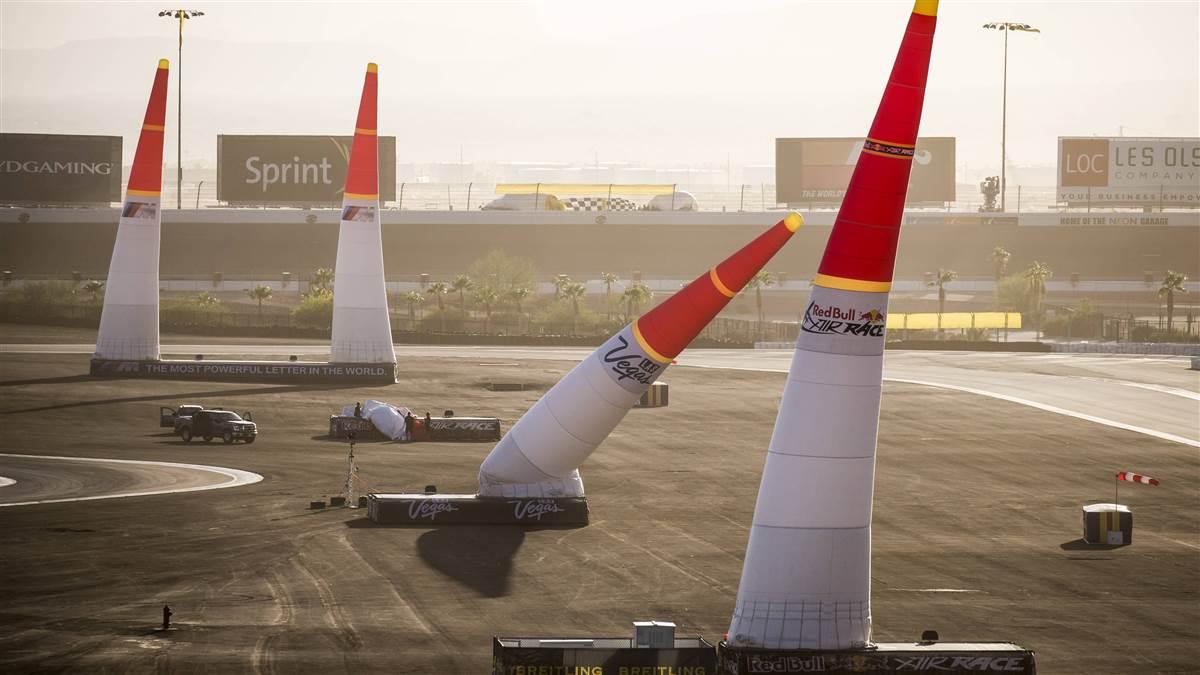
(843, 321)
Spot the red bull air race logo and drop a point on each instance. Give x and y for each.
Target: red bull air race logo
(839, 321)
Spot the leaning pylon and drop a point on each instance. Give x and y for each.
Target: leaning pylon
(540, 455)
(362, 331)
(129, 318)
(806, 579)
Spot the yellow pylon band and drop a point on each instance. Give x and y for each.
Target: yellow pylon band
(637, 335)
(153, 127)
(352, 195)
(844, 284)
(926, 7)
(143, 193)
(365, 132)
(716, 280)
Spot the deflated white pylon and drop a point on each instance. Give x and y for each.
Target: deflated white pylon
(540, 455)
(129, 318)
(362, 330)
(806, 580)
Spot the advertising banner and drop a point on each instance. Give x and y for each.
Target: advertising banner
(817, 170)
(59, 169)
(293, 170)
(1137, 172)
(291, 372)
(464, 429)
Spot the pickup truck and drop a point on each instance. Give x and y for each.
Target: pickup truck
(209, 424)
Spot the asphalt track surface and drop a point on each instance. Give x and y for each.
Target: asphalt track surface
(982, 470)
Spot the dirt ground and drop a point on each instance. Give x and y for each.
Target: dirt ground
(976, 529)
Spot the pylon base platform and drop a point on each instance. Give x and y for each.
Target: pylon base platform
(885, 658)
(431, 509)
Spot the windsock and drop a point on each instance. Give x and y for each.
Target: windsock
(129, 319)
(541, 453)
(362, 332)
(806, 579)
(1136, 478)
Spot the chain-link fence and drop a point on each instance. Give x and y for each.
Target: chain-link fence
(733, 198)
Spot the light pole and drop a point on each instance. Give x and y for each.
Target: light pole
(1006, 27)
(182, 15)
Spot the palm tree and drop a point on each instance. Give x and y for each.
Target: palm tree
(636, 294)
(413, 298)
(488, 297)
(573, 292)
(518, 294)
(757, 282)
(94, 287)
(439, 290)
(560, 282)
(1035, 286)
(1172, 283)
(609, 278)
(206, 300)
(322, 279)
(259, 293)
(461, 284)
(943, 277)
(1000, 258)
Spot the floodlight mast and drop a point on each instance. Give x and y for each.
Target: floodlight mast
(182, 15)
(1006, 27)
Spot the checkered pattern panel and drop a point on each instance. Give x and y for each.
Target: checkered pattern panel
(599, 204)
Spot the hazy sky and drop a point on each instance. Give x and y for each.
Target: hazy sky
(657, 82)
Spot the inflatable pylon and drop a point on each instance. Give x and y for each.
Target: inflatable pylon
(806, 579)
(540, 455)
(129, 318)
(362, 331)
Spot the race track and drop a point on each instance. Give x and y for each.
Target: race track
(1153, 395)
(43, 479)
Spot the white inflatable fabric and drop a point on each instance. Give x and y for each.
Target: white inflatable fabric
(387, 418)
(540, 455)
(362, 332)
(129, 319)
(806, 580)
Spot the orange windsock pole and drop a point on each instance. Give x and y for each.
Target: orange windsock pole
(145, 178)
(806, 579)
(362, 176)
(665, 330)
(540, 455)
(861, 252)
(129, 319)
(362, 332)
